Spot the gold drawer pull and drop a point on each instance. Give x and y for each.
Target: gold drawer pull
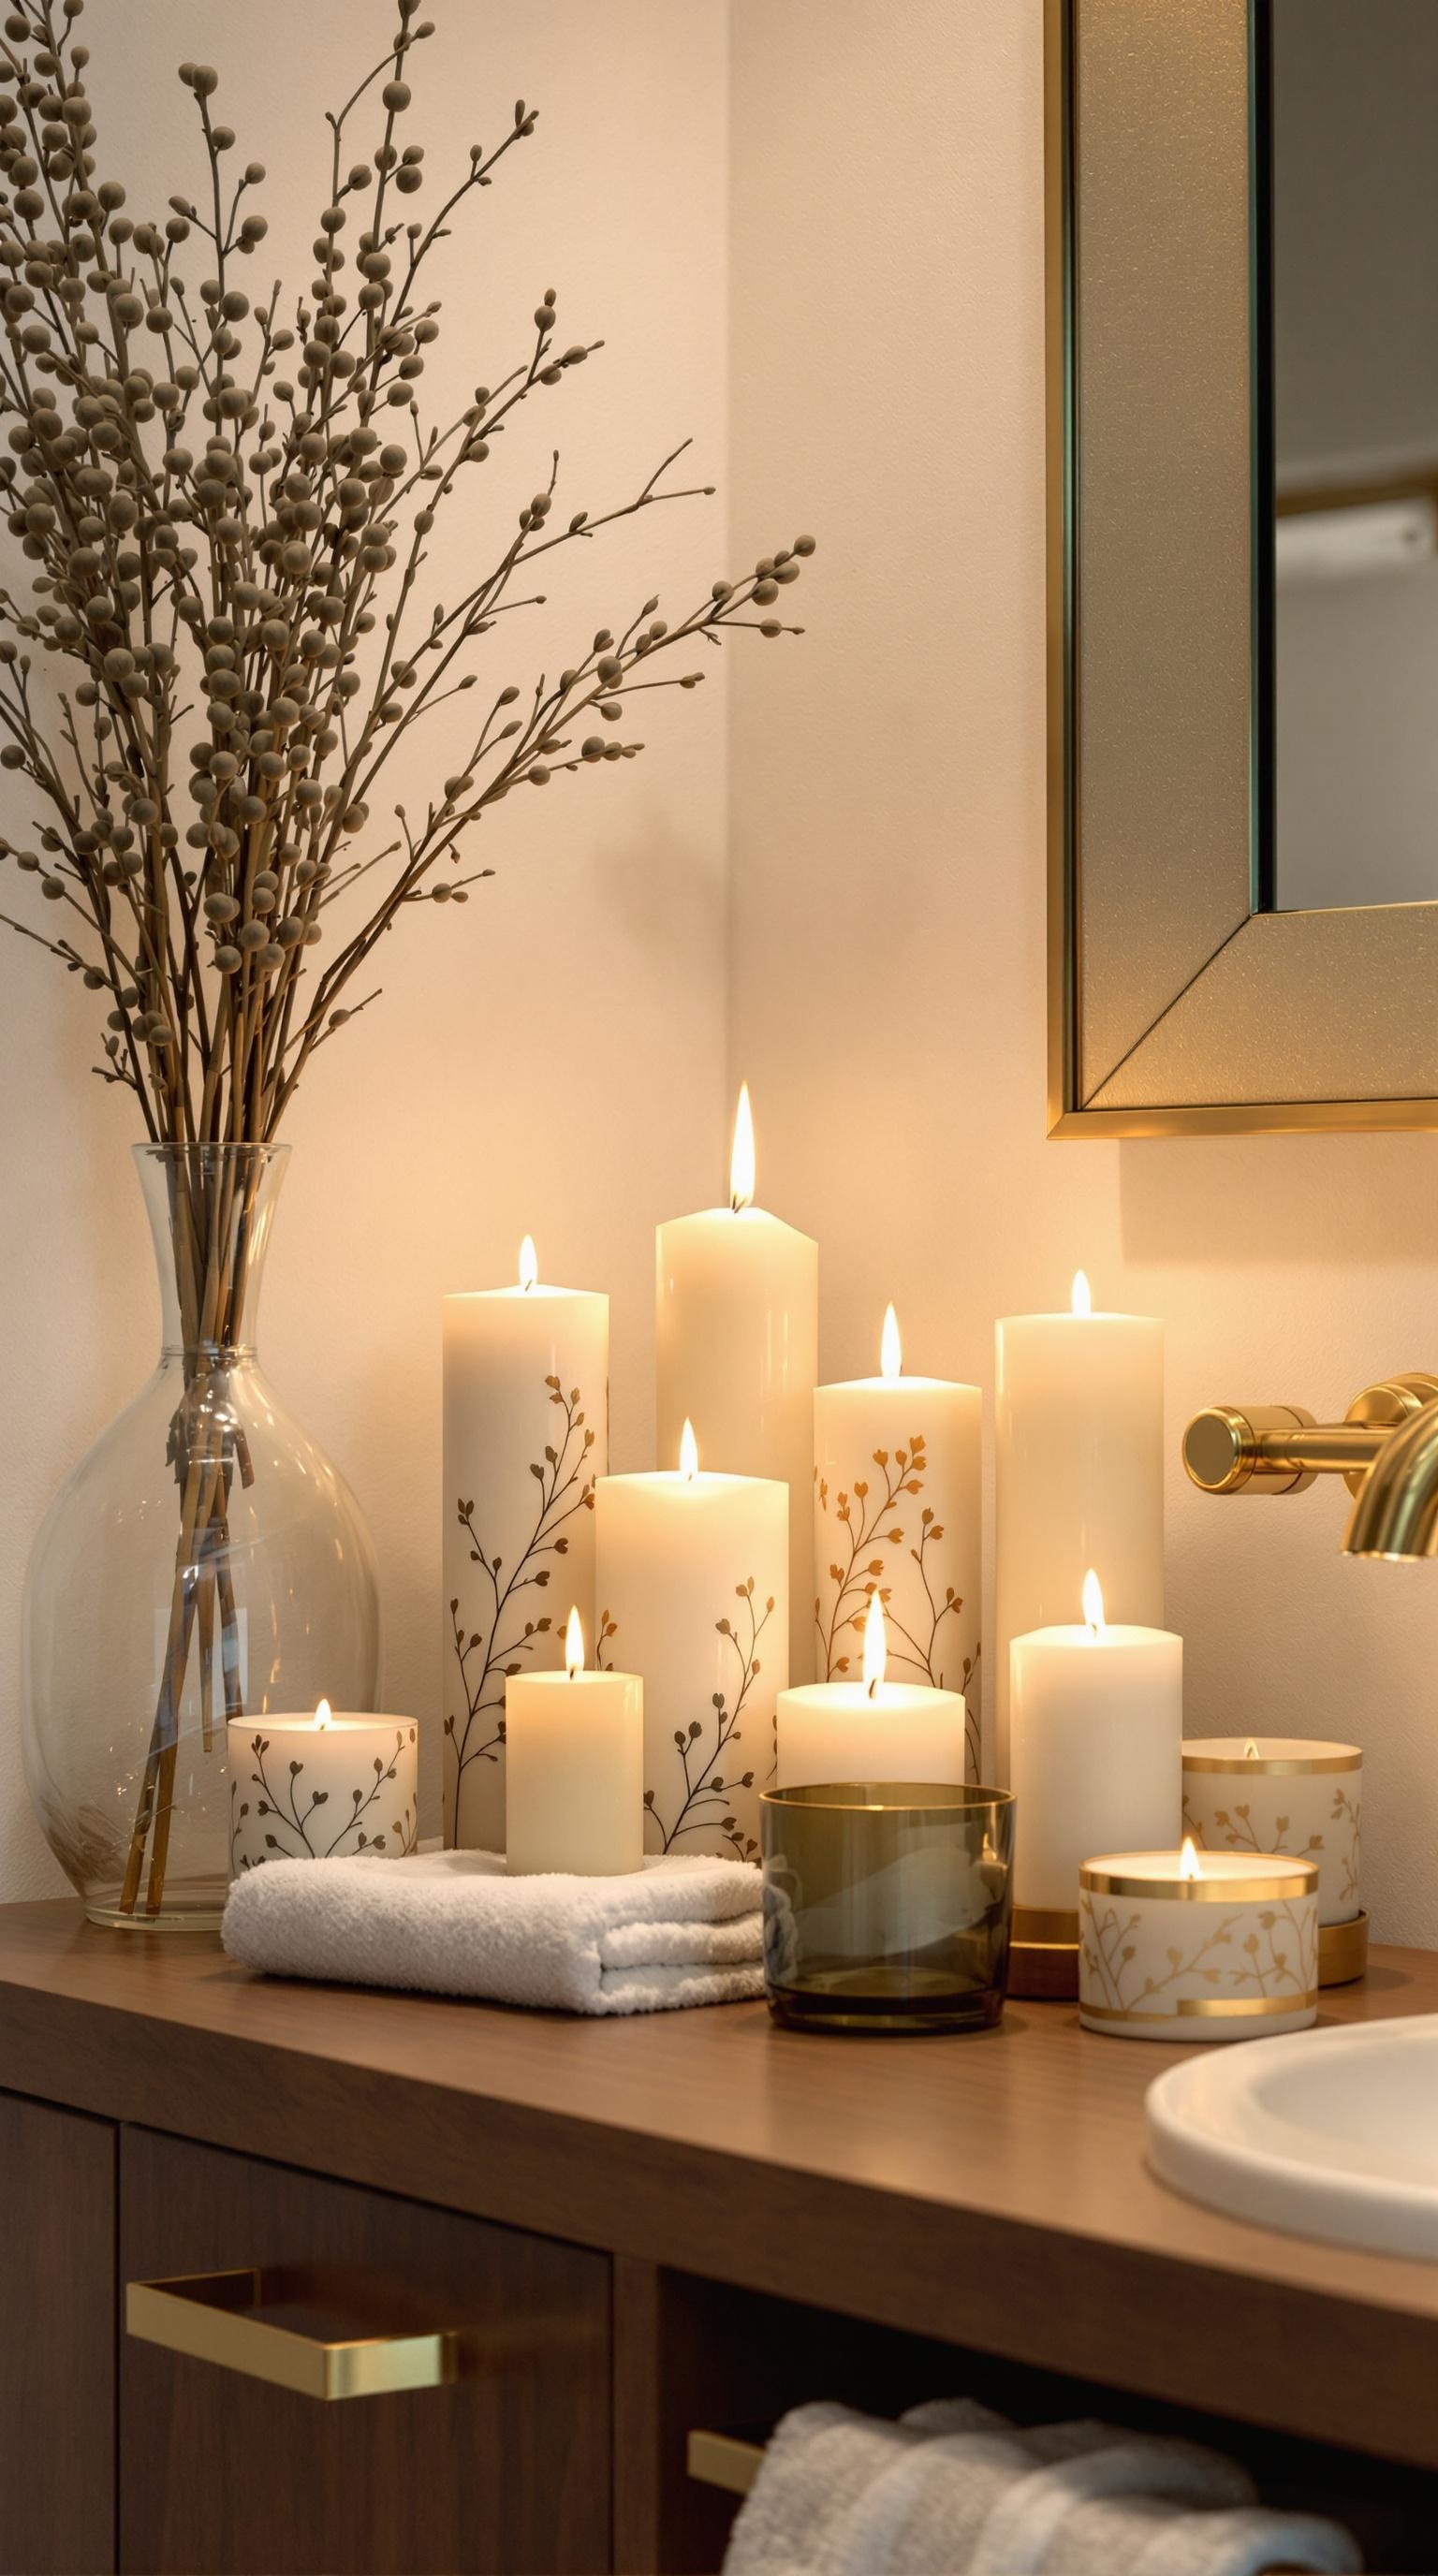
(723, 2460)
(209, 2316)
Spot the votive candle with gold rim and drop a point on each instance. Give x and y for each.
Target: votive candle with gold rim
(1281, 1793)
(1189, 1946)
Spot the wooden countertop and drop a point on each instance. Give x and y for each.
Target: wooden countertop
(987, 2189)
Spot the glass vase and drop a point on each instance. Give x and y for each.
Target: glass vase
(204, 1562)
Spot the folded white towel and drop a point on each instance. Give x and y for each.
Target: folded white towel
(679, 1931)
(952, 2490)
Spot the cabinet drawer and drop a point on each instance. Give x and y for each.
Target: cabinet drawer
(504, 2466)
(57, 2341)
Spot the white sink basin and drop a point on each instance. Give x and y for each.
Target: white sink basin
(1329, 2133)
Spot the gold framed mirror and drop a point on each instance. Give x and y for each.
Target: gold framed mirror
(1184, 997)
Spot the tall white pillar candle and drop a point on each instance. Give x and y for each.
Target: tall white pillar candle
(898, 1512)
(737, 1354)
(1096, 1749)
(693, 1587)
(526, 1435)
(321, 1786)
(1078, 1422)
(870, 1728)
(574, 1768)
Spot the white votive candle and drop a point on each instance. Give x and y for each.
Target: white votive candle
(870, 1728)
(1078, 1476)
(1281, 1793)
(1186, 1945)
(898, 1510)
(693, 1590)
(1097, 1730)
(321, 1786)
(736, 1332)
(526, 1434)
(574, 1779)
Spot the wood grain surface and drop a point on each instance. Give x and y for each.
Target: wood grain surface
(987, 2190)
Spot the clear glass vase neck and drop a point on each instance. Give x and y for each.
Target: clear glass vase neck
(211, 1208)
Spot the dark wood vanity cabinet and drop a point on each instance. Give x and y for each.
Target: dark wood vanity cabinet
(507, 2468)
(627, 2232)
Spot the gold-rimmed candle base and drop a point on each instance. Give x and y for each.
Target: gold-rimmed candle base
(1044, 1955)
(1343, 1951)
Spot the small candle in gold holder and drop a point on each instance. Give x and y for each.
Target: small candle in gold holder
(887, 1904)
(1286, 1793)
(1197, 1945)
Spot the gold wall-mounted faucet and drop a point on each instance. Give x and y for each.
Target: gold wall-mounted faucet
(1386, 1449)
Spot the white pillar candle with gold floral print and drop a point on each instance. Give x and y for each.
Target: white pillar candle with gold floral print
(693, 1589)
(1096, 1743)
(870, 1728)
(1186, 1945)
(898, 1513)
(526, 1435)
(1078, 1428)
(574, 1768)
(322, 1786)
(1281, 1793)
(737, 1354)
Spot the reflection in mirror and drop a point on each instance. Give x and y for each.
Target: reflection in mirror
(1353, 208)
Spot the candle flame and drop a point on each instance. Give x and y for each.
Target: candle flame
(573, 1646)
(1188, 1860)
(1094, 1619)
(688, 1451)
(741, 1159)
(324, 1714)
(1081, 1295)
(1250, 1751)
(528, 1263)
(891, 1354)
(876, 1645)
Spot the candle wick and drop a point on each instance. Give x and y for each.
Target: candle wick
(873, 1686)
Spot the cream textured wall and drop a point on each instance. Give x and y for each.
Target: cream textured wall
(551, 1057)
(887, 880)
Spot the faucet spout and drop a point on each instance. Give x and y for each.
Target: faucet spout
(1396, 1514)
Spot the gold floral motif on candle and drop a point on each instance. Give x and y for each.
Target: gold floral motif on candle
(872, 1519)
(700, 1797)
(502, 1638)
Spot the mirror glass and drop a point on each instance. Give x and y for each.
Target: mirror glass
(1346, 308)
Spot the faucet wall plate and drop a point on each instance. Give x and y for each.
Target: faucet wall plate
(1392, 1401)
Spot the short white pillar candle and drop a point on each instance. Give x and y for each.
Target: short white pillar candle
(1186, 1945)
(1096, 1739)
(1281, 1793)
(870, 1728)
(898, 1510)
(574, 1775)
(321, 1786)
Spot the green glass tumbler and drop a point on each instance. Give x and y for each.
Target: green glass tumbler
(886, 1905)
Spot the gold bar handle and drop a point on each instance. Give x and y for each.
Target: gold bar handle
(724, 2460)
(210, 2316)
